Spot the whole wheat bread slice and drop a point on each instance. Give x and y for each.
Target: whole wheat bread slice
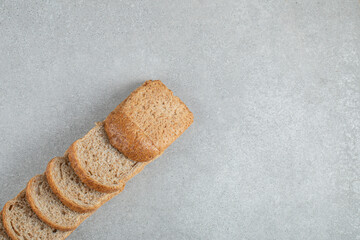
(21, 223)
(72, 192)
(147, 121)
(98, 164)
(3, 234)
(49, 208)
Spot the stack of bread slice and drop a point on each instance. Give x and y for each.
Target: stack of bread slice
(55, 203)
(96, 167)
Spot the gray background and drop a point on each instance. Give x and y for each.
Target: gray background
(274, 151)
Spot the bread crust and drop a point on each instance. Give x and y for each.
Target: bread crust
(10, 233)
(8, 230)
(67, 201)
(6, 227)
(81, 172)
(3, 225)
(126, 136)
(43, 217)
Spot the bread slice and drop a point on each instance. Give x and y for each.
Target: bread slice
(147, 122)
(3, 234)
(72, 192)
(21, 223)
(49, 208)
(98, 164)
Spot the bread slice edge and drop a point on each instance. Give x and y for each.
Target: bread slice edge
(65, 200)
(39, 213)
(81, 172)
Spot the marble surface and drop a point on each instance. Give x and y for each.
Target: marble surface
(274, 152)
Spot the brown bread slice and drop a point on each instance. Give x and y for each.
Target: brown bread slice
(3, 234)
(72, 192)
(49, 208)
(21, 223)
(98, 164)
(147, 122)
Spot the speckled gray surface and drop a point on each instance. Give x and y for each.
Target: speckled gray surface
(274, 152)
